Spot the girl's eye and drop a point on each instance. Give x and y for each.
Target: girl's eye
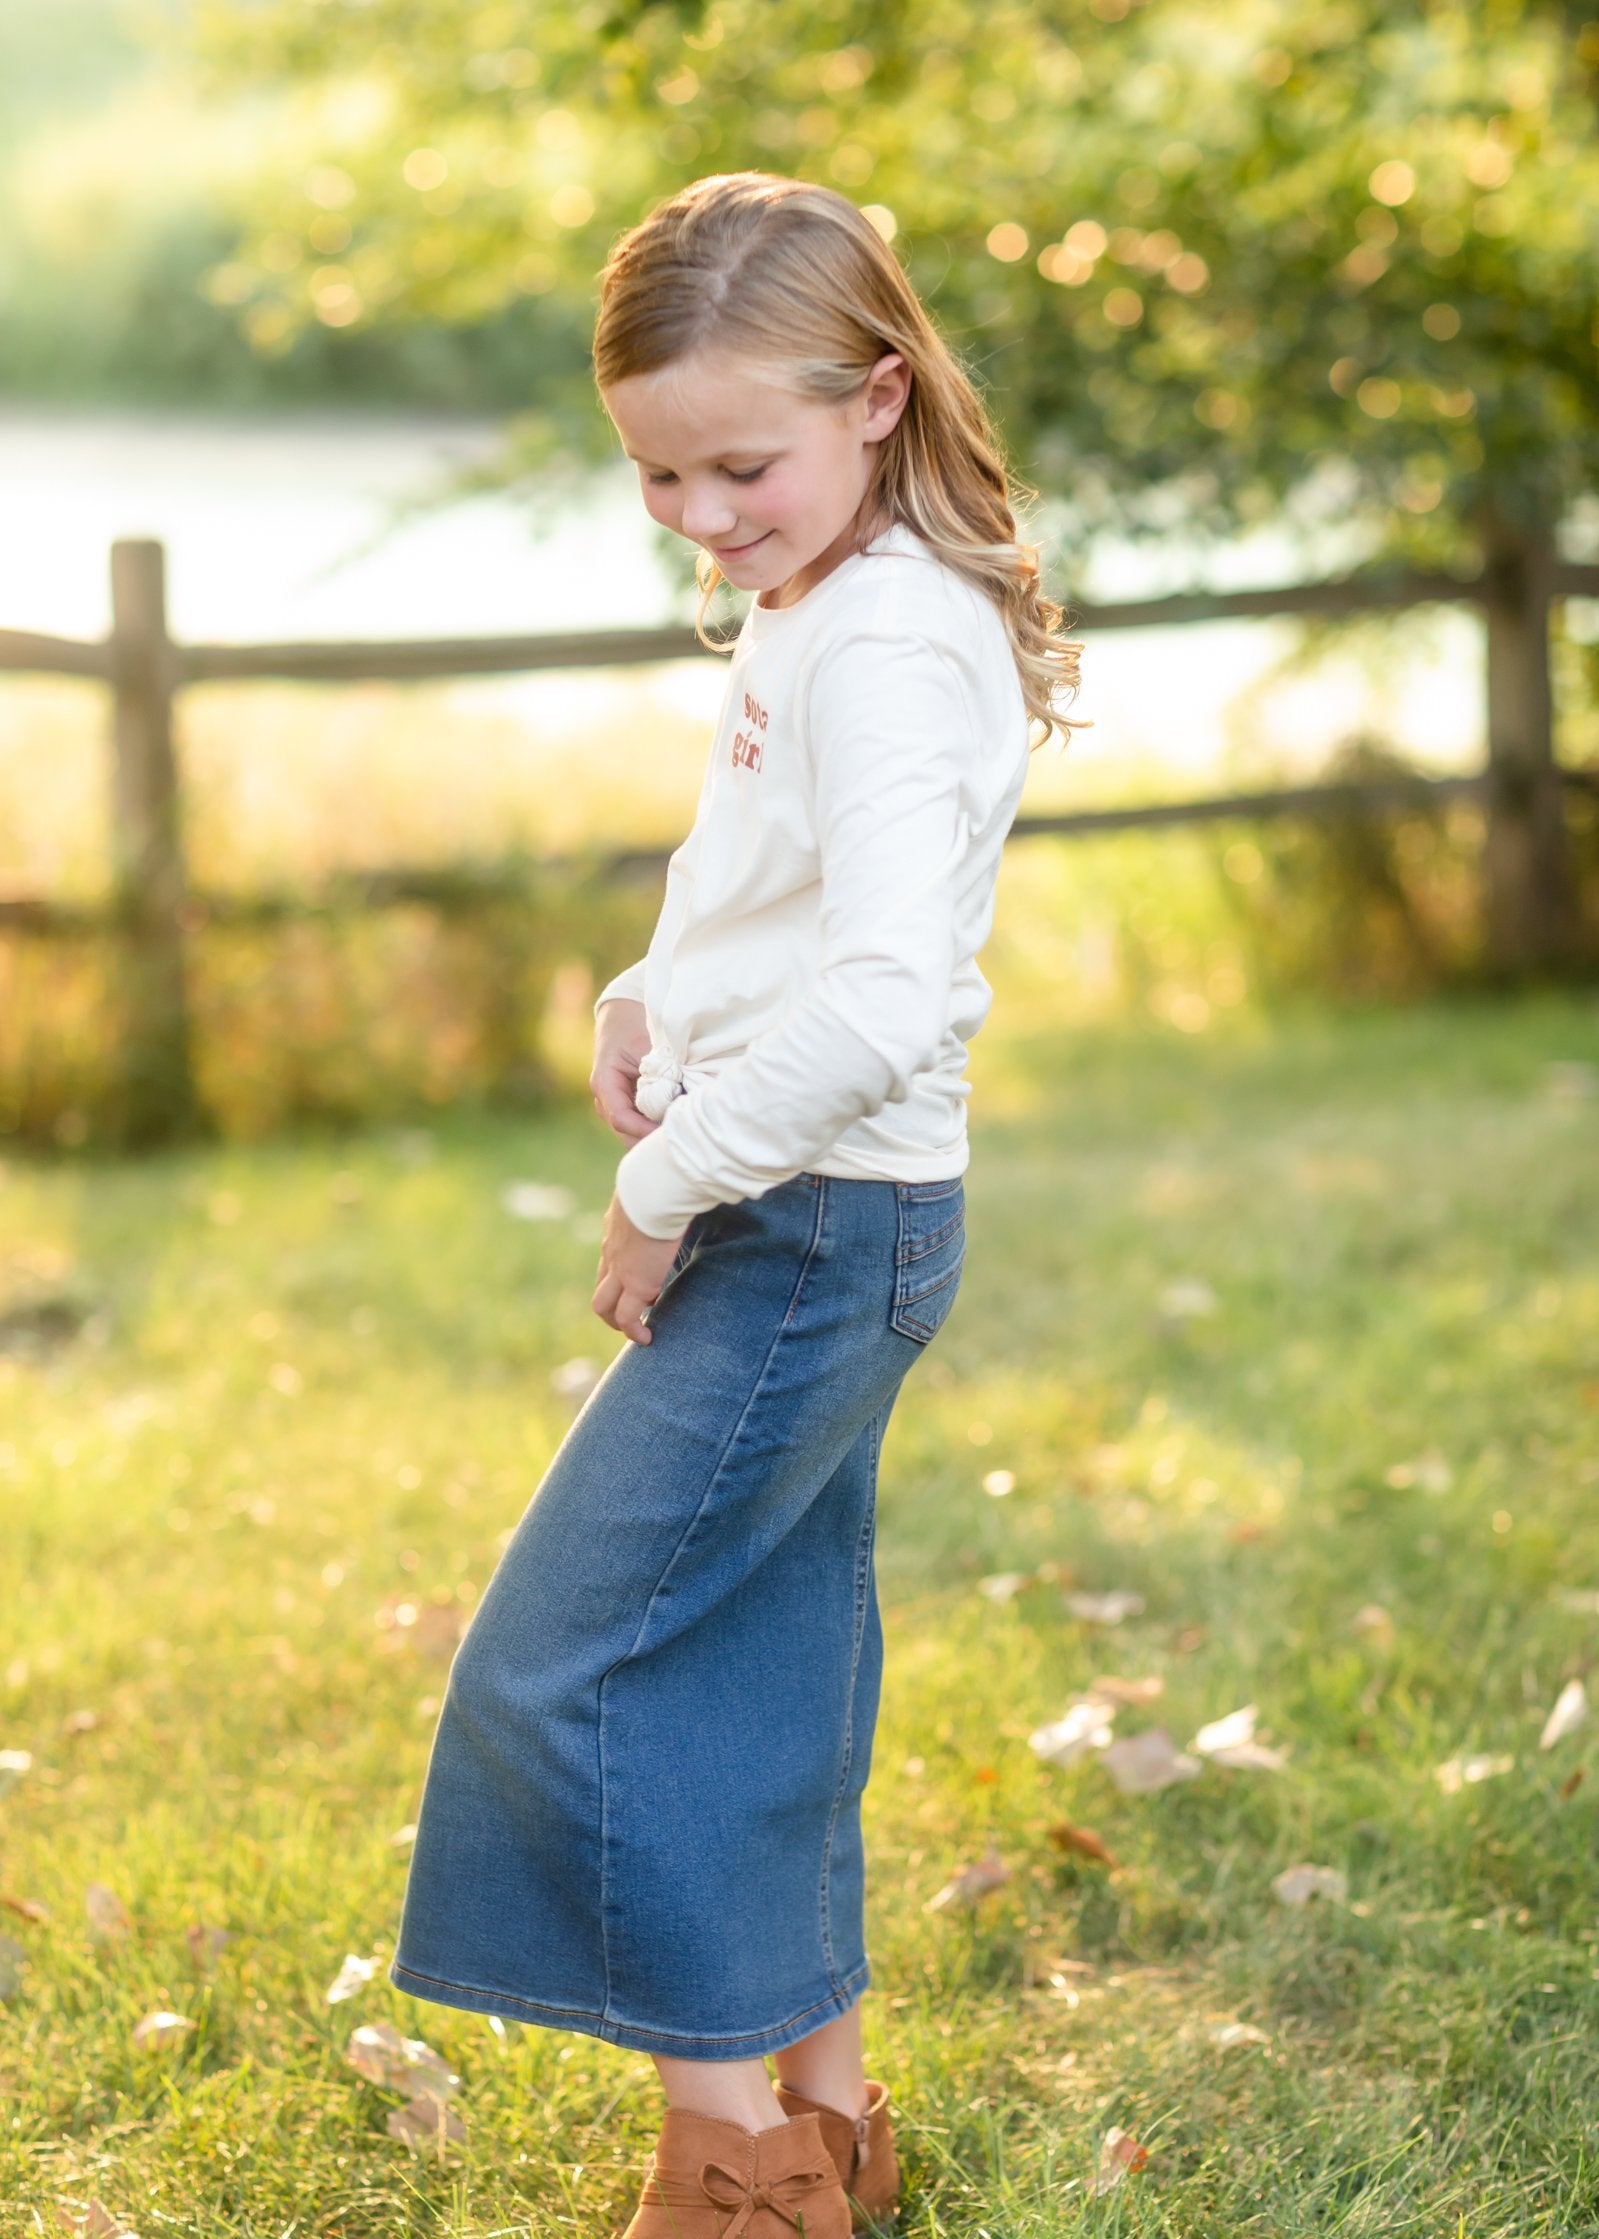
(660, 481)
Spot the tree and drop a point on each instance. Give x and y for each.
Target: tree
(1213, 260)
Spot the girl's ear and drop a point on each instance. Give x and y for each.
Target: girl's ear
(887, 392)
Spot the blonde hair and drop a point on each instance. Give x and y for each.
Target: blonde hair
(785, 274)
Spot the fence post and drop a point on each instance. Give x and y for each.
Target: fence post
(1530, 903)
(158, 1093)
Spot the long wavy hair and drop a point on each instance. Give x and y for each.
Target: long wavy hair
(793, 278)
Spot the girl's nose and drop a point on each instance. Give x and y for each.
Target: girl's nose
(707, 514)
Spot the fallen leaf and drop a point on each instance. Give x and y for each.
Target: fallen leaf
(1232, 2033)
(205, 1943)
(1142, 1764)
(1188, 1300)
(80, 1721)
(538, 1201)
(1129, 1691)
(1572, 1782)
(1231, 1741)
(1571, 1708)
(1456, 1773)
(1104, 1609)
(1119, 2155)
(967, 1888)
(1296, 1885)
(27, 1908)
(380, 2054)
(1251, 1757)
(354, 1975)
(426, 2125)
(93, 2222)
(575, 1379)
(403, 1837)
(13, 1958)
(158, 2032)
(1004, 1585)
(13, 1764)
(107, 1914)
(1086, 1726)
(1225, 1733)
(1080, 1842)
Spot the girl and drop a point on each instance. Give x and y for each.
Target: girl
(642, 1812)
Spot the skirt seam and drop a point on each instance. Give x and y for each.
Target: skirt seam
(862, 1547)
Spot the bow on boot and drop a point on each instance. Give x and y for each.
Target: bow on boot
(713, 2179)
(724, 2188)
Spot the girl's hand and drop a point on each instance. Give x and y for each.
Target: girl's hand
(621, 1043)
(633, 1272)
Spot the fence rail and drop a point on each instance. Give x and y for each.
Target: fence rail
(1530, 910)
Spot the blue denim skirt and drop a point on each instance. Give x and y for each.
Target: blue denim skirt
(642, 1810)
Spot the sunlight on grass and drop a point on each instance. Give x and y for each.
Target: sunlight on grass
(268, 1413)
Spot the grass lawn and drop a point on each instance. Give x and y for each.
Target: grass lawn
(1290, 1330)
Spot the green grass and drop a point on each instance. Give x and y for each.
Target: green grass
(314, 1378)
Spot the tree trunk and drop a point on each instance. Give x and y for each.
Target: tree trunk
(1531, 913)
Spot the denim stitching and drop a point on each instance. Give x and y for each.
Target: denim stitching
(649, 1607)
(915, 1247)
(911, 1255)
(863, 1548)
(579, 2015)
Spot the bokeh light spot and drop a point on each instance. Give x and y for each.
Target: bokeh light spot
(571, 205)
(1188, 274)
(424, 168)
(1393, 182)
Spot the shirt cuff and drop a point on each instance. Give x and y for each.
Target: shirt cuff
(657, 1192)
(627, 986)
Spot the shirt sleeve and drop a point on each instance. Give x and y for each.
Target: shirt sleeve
(891, 744)
(628, 985)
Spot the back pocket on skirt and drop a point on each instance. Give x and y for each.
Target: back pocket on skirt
(928, 1255)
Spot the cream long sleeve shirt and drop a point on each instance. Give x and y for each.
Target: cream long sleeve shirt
(812, 982)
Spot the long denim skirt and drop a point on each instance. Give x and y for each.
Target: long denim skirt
(642, 1810)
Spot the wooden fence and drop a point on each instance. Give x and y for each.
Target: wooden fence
(1530, 910)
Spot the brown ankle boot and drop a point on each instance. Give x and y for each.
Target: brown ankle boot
(863, 2152)
(709, 2179)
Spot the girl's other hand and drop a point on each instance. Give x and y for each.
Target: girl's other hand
(633, 1272)
(621, 1043)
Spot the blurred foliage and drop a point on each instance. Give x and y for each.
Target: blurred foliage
(474, 984)
(1206, 258)
(122, 185)
(315, 1009)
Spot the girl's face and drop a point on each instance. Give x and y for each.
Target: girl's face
(769, 482)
